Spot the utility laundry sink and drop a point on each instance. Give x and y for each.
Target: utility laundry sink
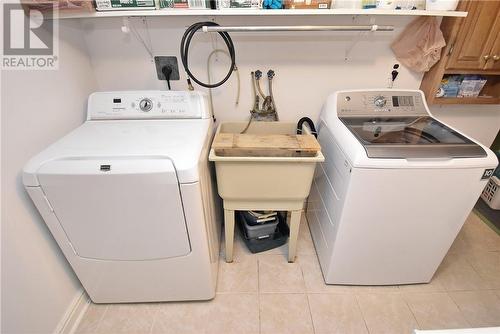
(249, 182)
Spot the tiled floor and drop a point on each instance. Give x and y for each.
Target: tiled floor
(265, 294)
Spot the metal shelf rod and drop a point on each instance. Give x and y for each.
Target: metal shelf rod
(373, 27)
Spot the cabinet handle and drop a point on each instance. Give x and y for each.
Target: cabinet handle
(496, 57)
(486, 57)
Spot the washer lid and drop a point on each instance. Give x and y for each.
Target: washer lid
(182, 141)
(410, 137)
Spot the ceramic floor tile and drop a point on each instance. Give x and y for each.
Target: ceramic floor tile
(313, 277)
(456, 274)
(305, 245)
(240, 250)
(375, 289)
(91, 319)
(226, 313)
(487, 265)
(276, 275)
(386, 313)
(478, 235)
(335, 313)
(239, 276)
(182, 318)
(459, 246)
(128, 318)
(433, 286)
(435, 310)
(285, 314)
(234, 313)
(473, 263)
(480, 308)
(315, 282)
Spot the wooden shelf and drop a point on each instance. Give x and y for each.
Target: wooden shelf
(466, 100)
(474, 72)
(257, 12)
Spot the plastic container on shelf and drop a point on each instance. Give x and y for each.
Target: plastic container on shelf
(410, 4)
(347, 4)
(386, 4)
(441, 4)
(61, 5)
(306, 4)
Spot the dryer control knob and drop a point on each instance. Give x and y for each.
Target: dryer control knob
(146, 105)
(380, 101)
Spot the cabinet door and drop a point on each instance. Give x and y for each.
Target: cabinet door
(476, 37)
(494, 60)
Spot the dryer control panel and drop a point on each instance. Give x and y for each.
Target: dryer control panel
(380, 103)
(147, 105)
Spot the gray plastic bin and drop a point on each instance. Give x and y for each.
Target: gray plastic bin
(259, 231)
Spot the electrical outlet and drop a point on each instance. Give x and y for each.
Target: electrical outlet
(161, 61)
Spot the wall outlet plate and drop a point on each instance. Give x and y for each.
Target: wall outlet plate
(161, 61)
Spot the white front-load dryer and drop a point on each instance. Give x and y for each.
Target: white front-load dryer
(129, 197)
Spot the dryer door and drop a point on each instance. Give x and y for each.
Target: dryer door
(118, 208)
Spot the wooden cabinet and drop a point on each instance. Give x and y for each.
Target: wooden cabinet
(472, 47)
(494, 61)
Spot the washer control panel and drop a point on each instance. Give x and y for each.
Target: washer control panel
(147, 105)
(380, 103)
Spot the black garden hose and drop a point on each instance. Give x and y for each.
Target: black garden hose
(186, 41)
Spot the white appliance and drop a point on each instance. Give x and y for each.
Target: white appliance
(128, 197)
(394, 190)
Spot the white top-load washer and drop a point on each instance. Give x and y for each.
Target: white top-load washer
(394, 190)
(129, 197)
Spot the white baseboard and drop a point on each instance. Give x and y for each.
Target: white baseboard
(74, 314)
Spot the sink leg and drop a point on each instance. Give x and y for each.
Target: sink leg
(294, 234)
(229, 233)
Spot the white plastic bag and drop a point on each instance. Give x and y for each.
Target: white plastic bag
(419, 46)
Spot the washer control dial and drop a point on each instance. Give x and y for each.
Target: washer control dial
(145, 105)
(380, 101)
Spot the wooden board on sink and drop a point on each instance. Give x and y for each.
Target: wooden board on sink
(263, 145)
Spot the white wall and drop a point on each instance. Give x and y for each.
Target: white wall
(309, 66)
(480, 122)
(37, 108)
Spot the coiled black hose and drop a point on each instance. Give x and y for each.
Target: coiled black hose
(186, 41)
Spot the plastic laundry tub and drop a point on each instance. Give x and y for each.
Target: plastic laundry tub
(247, 183)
